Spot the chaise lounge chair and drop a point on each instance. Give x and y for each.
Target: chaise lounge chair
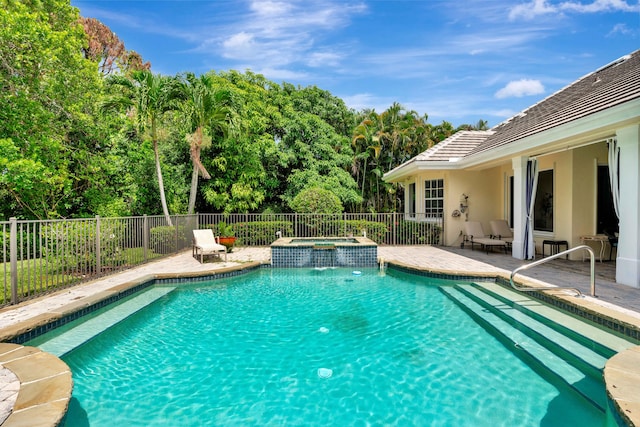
(204, 243)
(475, 235)
(500, 230)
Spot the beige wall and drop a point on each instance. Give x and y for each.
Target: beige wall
(575, 186)
(485, 190)
(585, 178)
(575, 192)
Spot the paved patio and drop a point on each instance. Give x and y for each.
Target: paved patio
(562, 272)
(559, 272)
(614, 297)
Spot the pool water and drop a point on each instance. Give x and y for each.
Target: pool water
(310, 348)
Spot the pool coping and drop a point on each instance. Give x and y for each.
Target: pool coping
(621, 373)
(46, 384)
(308, 242)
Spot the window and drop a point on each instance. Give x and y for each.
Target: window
(412, 200)
(434, 198)
(543, 208)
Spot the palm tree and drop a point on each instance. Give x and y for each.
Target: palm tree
(363, 139)
(208, 112)
(148, 96)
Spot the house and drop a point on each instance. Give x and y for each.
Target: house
(547, 171)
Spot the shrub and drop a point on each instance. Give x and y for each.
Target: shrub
(258, 233)
(316, 200)
(29, 244)
(412, 232)
(166, 239)
(72, 245)
(376, 231)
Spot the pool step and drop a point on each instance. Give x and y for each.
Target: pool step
(600, 340)
(78, 335)
(543, 331)
(514, 333)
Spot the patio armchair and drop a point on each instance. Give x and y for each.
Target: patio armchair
(474, 234)
(500, 230)
(205, 243)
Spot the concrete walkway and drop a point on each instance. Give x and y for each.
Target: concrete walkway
(557, 272)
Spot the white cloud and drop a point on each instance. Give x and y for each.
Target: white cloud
(531, 10)
(281, 74)
(619, 29)
(277, 34)
(599, 6)
(239, 45)
(270, 8)
(504, 113)
(361, 101)
(535, 8)
(520, 88)
(324, 59)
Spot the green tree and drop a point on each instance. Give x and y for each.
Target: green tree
(46, 107)
(480, 125)
(148, 96)
(316, 200)
(316, 156)
(208, 111)
(381, 142)
(242, 165)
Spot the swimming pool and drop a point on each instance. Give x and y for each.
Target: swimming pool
(311, 347)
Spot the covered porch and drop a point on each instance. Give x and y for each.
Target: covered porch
(565, 169)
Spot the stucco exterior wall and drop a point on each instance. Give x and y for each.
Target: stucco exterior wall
(485, 189)
(585, 191)
(574, 197)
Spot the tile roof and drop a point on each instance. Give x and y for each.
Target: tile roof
(456, 146)
(611, 85)
(614, 84)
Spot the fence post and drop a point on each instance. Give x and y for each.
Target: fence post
(344, 224)
(13, 258)
(98, 239)
(396, 225)
(177, 238)
(145, 235)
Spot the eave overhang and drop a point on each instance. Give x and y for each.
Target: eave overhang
(592, 128)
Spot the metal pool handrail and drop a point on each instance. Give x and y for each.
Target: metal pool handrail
(549, 258)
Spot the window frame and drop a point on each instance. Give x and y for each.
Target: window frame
(434, 198)
(544, 205)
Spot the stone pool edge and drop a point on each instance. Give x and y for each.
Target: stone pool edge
(621, 373)
(46, 382)
(45, 386)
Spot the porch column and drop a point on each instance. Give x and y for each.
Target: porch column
(628, 259)
(519, 205)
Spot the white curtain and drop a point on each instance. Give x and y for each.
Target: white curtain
(529, 251)
(614, 173)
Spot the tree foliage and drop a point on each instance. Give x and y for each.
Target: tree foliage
(85, 125)
(46, 107)
(316, 200)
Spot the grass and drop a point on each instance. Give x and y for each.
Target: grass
(39, 276)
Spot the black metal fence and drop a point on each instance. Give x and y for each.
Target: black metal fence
(44, 256)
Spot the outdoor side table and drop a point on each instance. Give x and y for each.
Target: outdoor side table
(598, 238)
(554, 246)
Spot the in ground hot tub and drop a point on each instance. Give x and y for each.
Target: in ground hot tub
(324, 252)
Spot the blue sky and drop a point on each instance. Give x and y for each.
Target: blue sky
(458, 60)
